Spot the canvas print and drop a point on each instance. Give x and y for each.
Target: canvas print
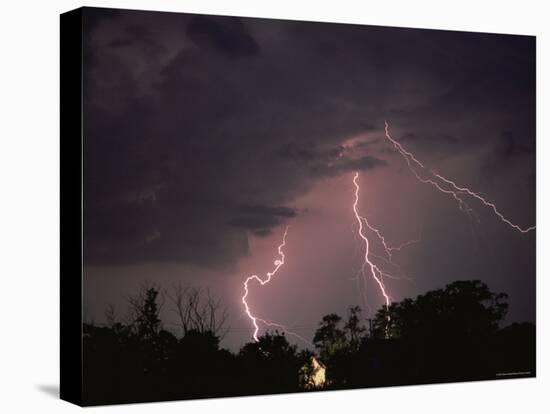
(274, 206)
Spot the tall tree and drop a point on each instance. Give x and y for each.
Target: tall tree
(354, 328)
(329, 337)
(145, 312)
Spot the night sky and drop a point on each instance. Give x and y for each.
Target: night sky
(205, 136)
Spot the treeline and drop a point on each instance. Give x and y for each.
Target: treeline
(450, 334)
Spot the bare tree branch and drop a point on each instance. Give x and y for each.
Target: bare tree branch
(111, 315)
(198, 310)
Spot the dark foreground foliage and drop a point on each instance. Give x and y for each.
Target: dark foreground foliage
(450, 334)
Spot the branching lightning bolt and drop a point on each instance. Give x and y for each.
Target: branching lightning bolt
(448, 186)
(255, 319)
(375, 271)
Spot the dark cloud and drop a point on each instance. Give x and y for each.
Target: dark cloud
(201, 130)
(278, 211)
(261, 219)
(185, 148)
(225, 35)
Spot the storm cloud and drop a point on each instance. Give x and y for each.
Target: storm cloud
(178, 143)
(202, 130)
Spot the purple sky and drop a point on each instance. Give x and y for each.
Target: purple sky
(206, 136)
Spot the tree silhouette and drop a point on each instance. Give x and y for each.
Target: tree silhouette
(337, 345)
(449, 334)
(462, 309)
(353, 328)
(272, 363)
(329, 338)
(146, 311)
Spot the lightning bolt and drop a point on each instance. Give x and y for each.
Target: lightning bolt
(269, 275)
(375, 270)
(376, 273)
(448, 186)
